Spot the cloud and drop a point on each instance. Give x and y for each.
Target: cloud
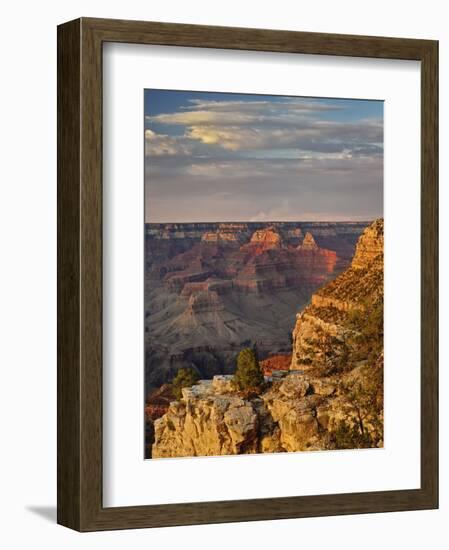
(290, 103)
(241, 126)
(204, 118)
(284, 159)
(263, 190)
(161, 145)
(231, 113)
(327, 137)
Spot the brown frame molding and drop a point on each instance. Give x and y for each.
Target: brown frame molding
(80, 274)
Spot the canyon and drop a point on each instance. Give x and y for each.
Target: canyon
(213, 288)
(324, 392)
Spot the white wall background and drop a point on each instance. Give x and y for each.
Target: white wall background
(28, 273)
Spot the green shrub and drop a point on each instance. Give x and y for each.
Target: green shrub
(185, 377)
(248, 373)
(367, 343)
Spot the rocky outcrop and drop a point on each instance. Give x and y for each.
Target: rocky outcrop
(370, 247)
(206, 423)
(308, 243)
(263, 240)
(295, 413)
(326, 331)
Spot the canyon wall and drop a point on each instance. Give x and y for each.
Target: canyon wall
(331, 397)
(323, 332)
(211, 288)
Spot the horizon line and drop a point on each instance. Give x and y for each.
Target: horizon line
(267, 221)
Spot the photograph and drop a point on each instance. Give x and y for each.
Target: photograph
(263, 273)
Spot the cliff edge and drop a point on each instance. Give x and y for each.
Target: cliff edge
(330, 398)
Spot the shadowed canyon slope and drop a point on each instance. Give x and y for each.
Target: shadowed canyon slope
(212, 288)
(332, 395)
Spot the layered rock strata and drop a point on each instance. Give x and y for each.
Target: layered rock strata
(211, 288)
(332, 396)
(326, 330)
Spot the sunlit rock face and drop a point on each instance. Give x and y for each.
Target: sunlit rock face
(295, 413)
(370, 248)
(265, 239)
(324, 328)
(308, 243)
(212, 419)
(206, 421)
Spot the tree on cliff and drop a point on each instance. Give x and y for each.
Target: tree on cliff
(185, 377)
(368, 326)
(249, 373)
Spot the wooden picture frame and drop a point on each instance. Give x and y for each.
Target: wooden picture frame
(80, 504)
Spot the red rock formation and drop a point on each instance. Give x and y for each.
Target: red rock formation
(158, 401)
(264, 264)
(263, 240)
(275, 363)
(308, 243)
(267, 263)
(315, 264)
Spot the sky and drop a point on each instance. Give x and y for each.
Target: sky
(244, 157)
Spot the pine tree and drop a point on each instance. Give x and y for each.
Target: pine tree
(185, 377)
(248, 373)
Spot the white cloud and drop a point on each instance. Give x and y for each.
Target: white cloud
(162, 145)
(258, 125)
(261, 160)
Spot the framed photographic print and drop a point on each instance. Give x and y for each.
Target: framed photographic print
(247, 287)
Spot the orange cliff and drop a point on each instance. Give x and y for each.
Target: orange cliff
(325, 327)
(263, 240)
